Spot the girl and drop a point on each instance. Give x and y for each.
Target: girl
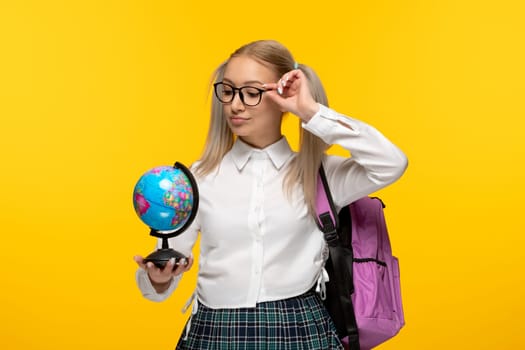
(261, 252)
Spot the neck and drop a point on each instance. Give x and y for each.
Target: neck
(261, 143)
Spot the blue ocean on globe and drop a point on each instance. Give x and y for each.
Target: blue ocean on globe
(163, 198)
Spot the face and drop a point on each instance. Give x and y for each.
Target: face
(258, 125)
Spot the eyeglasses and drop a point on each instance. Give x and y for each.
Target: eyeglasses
(250, 96)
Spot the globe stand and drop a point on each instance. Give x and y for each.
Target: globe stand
(161, 256)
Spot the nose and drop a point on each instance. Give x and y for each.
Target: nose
(237, 104)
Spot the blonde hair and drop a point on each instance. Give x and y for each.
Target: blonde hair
(304, 167)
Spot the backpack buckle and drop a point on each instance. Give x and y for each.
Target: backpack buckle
(329, 230)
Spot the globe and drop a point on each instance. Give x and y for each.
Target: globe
(164, 198)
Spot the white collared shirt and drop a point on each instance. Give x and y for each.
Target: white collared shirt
(256, 243)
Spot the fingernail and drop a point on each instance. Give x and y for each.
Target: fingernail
(172, 261)
(285, 80)
(280, 90)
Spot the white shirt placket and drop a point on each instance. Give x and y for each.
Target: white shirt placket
(258, 164)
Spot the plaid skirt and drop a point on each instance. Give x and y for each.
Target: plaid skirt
(298, 323)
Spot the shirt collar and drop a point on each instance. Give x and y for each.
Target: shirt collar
(278, 153)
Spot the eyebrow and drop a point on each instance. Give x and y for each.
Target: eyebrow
(244, 83)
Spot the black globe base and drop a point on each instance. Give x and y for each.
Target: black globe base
(161, 257)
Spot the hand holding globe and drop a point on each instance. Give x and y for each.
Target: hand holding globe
(161, 277)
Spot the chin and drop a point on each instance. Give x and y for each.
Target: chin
(239, 130)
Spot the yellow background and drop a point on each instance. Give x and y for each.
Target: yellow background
(93, 93)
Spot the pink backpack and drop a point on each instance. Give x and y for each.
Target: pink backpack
(363, 294)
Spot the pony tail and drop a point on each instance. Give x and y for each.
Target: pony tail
(220, 138)
(315, 84)
(305, 166)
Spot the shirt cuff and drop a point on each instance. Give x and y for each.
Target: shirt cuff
(147, 289)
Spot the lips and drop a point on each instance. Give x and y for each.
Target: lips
(238, 120)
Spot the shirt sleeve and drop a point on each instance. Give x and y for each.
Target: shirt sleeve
(375, 162)
(149, 292)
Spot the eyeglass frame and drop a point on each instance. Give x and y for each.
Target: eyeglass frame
(241, 95)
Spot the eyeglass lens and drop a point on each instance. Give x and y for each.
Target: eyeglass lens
(250, 96)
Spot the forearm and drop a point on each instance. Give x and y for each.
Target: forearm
(383, 161)
(375, 162)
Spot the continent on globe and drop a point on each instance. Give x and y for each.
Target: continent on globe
(163, 198)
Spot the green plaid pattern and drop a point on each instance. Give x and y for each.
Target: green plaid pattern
(299, 323)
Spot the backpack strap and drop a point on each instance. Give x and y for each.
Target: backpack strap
(327, 219)
(339, 263)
